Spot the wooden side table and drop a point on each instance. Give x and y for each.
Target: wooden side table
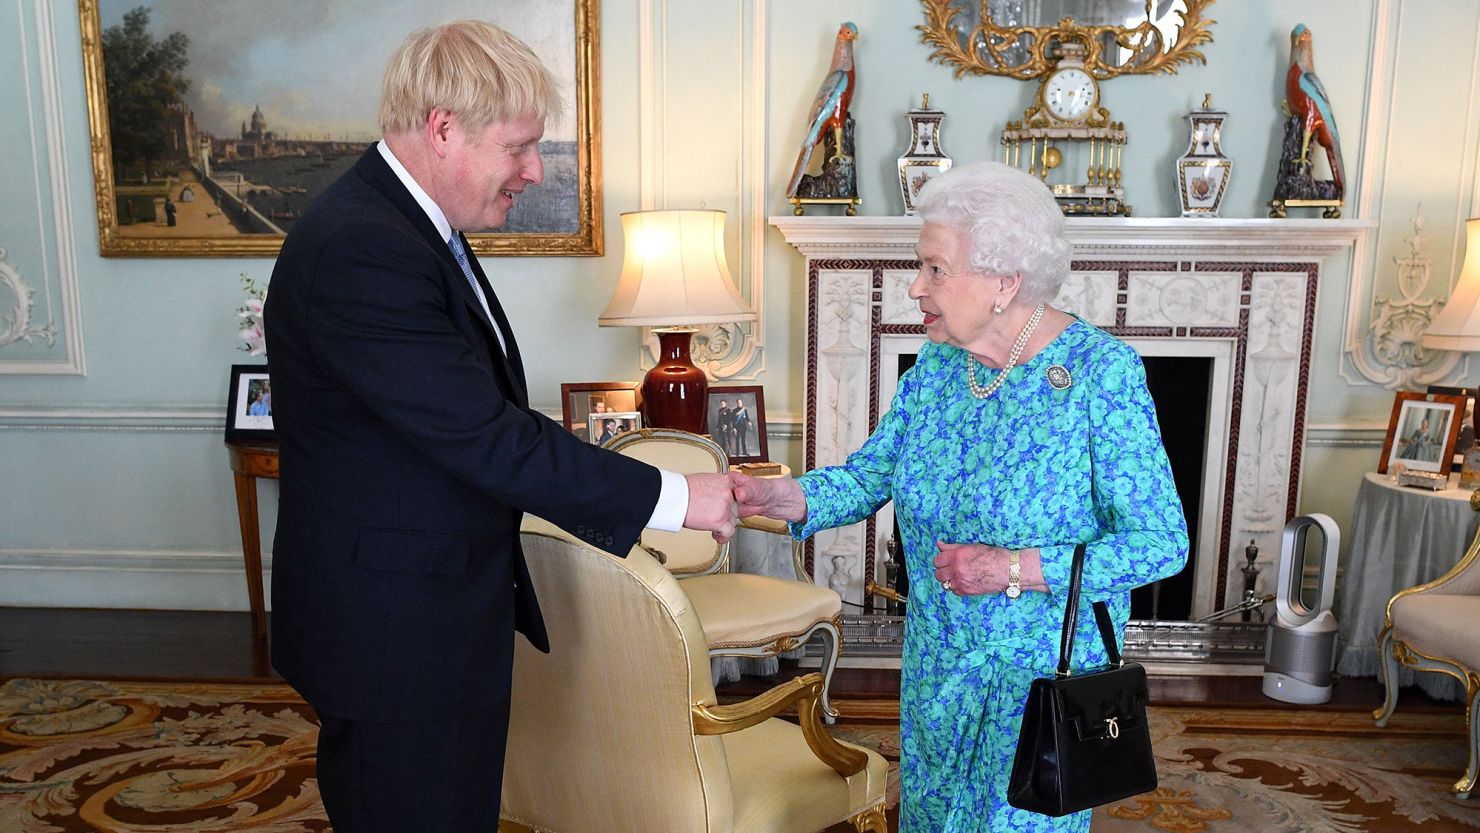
(250, 461)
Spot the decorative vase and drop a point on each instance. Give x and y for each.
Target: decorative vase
(925, 158)
(1203, 171)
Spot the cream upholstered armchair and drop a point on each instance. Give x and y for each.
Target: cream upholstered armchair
(743, 615)
(617, 729)
(1432, 627)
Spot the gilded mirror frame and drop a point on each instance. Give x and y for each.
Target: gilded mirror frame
(582, 105)
(1145, 41)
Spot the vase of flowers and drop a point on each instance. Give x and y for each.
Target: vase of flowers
(253, 336)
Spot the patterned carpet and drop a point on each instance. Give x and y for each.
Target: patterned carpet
(167, 757)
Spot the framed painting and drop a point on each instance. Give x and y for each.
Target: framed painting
(736, 417)
(1422, 432)
(214, 125)
(580, 400)
(249, 404)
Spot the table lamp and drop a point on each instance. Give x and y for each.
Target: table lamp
(673, 277)
(1457, 327)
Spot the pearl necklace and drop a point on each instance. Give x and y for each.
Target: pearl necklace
(1012, 359)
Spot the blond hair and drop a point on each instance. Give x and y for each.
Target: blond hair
(475, 69)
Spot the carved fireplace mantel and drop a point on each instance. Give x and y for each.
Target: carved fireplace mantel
(1239, 292)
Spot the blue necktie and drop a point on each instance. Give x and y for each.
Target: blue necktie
(455, 243)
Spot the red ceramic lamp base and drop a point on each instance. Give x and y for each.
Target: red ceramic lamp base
(673, 392)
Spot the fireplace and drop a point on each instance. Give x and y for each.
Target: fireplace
(1223, 306)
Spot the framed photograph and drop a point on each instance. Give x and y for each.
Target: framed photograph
(1422, 432)
(234, 117)
(736, 416)
(579, 400)
(601, 427)
(249, 404)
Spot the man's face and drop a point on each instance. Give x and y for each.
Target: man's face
(485, 171)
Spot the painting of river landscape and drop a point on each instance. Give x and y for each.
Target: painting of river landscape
(216, 124)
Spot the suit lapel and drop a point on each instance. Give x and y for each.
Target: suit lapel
(373, 169)
(512, 363)
(516, 363)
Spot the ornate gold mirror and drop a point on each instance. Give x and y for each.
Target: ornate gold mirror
(1018, 38)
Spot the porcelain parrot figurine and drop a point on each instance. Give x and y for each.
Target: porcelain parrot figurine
(1306, 98)
(830, 108)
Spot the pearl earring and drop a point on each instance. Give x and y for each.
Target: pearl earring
(997, 308)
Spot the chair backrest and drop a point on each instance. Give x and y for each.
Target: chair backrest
(600, 733)
(689, 552)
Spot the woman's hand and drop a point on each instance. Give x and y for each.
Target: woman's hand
(774, 497)
(978, 569)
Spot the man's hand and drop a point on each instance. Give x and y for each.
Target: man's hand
(711, 506)
(774, 497)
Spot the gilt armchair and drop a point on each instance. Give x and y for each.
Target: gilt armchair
(618, 730)
(744, 615)
(1432, 627)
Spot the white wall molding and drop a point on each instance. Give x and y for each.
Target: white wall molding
(62, 317)
(125, 578)
(728, 351)
(1391, 352)
(1380, 334)
(182, 419)
(16, 325)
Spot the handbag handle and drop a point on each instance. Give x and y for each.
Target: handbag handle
(1071, 616)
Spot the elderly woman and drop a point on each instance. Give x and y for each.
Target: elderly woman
(1020, 432)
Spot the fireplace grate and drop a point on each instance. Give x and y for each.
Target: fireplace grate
(876, 637)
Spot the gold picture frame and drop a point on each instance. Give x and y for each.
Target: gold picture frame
(137, 202)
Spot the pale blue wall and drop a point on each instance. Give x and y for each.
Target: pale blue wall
(114, 488)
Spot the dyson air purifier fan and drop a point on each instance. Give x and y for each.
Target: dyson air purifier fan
(1300, 649)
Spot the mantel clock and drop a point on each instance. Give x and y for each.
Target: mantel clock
(1068, 130)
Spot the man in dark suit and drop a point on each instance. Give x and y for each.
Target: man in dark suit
(409, 451)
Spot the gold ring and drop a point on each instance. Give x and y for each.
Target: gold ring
(946, 585)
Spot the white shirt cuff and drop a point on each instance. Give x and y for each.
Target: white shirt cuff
(673, 503)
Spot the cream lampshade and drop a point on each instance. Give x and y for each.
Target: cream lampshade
(1457, 327)
(674, 276)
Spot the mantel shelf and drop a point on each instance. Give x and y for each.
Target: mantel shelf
(1255, 239)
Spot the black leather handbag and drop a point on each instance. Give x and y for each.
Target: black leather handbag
(1084, 740)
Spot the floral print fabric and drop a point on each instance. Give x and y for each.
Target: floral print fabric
(1031, 466)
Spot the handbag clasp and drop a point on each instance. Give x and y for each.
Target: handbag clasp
(1112, 727)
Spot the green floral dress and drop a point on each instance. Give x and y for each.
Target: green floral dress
(1032, 466)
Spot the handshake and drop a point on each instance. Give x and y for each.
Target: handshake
(717, 502)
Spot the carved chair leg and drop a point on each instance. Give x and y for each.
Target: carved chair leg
(832, 644)
(871, 820)
(1463, 786)
(1387, 668)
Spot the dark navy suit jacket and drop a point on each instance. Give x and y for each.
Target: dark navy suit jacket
(408, 456)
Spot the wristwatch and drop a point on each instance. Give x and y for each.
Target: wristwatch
(1014, 574)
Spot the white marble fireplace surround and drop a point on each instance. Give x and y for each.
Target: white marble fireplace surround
(1240, 292)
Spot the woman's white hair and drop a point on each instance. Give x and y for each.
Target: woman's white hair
(1010, 219)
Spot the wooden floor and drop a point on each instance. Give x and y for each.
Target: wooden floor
(130, 644)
